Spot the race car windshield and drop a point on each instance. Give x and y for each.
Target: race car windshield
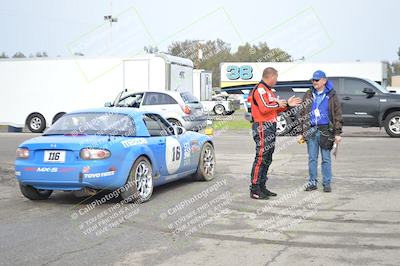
(93, 124)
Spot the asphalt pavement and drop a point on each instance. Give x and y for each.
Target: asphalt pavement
(216, 223)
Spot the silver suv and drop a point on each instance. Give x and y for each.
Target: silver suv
(179, 108)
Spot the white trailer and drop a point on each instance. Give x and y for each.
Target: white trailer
(247, 73)
(36, 92)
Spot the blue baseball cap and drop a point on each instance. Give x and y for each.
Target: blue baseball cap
(319, 74)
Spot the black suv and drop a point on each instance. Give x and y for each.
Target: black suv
(364, 103)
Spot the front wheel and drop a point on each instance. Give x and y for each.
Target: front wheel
(206, 167)
(139, 186)
(392, 124)
(33, 193)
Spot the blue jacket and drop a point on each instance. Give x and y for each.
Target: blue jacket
(320, 102)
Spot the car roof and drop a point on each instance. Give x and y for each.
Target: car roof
(113, 110)
(157, 91)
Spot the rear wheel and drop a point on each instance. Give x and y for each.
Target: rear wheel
(139, 186)
(219, 109)
(33, 193)
(206, 167)
(36, 123)
(392, 124)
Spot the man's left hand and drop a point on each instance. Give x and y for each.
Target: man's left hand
(294, 101)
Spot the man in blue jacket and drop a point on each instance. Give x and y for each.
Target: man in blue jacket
(322, 124)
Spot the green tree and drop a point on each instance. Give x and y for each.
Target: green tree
(3, 55)
(151, 49)
(18, 55)
(210, 54)
(260, 53)
(205, 54)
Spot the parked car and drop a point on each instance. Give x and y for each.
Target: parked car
(364, 103)
(179, 108)
(111, 149)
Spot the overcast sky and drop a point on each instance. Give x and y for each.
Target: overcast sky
(318, 30)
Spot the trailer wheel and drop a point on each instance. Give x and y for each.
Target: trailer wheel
(57, 116)
(219, 109)
(36, 123)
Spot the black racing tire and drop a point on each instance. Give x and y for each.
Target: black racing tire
(57, 116)
(36, 123)
(219, 109)
(284, 125)
(206, 167)
(174, 122)
(392, 124)
(33, 193)
(139, 185)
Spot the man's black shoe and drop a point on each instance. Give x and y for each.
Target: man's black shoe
(267, 192)
(256, 193)
(327, 188)
(311, 187)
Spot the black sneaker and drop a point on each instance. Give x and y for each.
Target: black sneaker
(255, 192)
(267, 192)
(327, 188)
(311, 188)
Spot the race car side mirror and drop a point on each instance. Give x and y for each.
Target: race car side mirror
(108, 104)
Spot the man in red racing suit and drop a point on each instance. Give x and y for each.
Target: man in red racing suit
(264, 109)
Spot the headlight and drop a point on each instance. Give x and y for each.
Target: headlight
(94, 154)
(22, 153)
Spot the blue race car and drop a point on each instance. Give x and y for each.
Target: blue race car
(111, 149)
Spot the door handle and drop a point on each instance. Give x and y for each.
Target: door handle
(346, 98)
(161, 142)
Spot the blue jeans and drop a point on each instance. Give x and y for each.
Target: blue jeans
(313, 151)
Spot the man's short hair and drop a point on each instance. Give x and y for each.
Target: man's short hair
(269, 71)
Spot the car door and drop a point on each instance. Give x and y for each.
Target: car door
(358, 107)
(157, 144)
(168, 149)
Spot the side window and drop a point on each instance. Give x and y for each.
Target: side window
(335, 82)
(153, 98)
(355, 86)
(166, 99)
(156, 125)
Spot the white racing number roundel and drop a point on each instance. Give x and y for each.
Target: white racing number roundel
(173, 154)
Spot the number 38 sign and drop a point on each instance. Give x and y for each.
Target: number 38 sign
(244, 72)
